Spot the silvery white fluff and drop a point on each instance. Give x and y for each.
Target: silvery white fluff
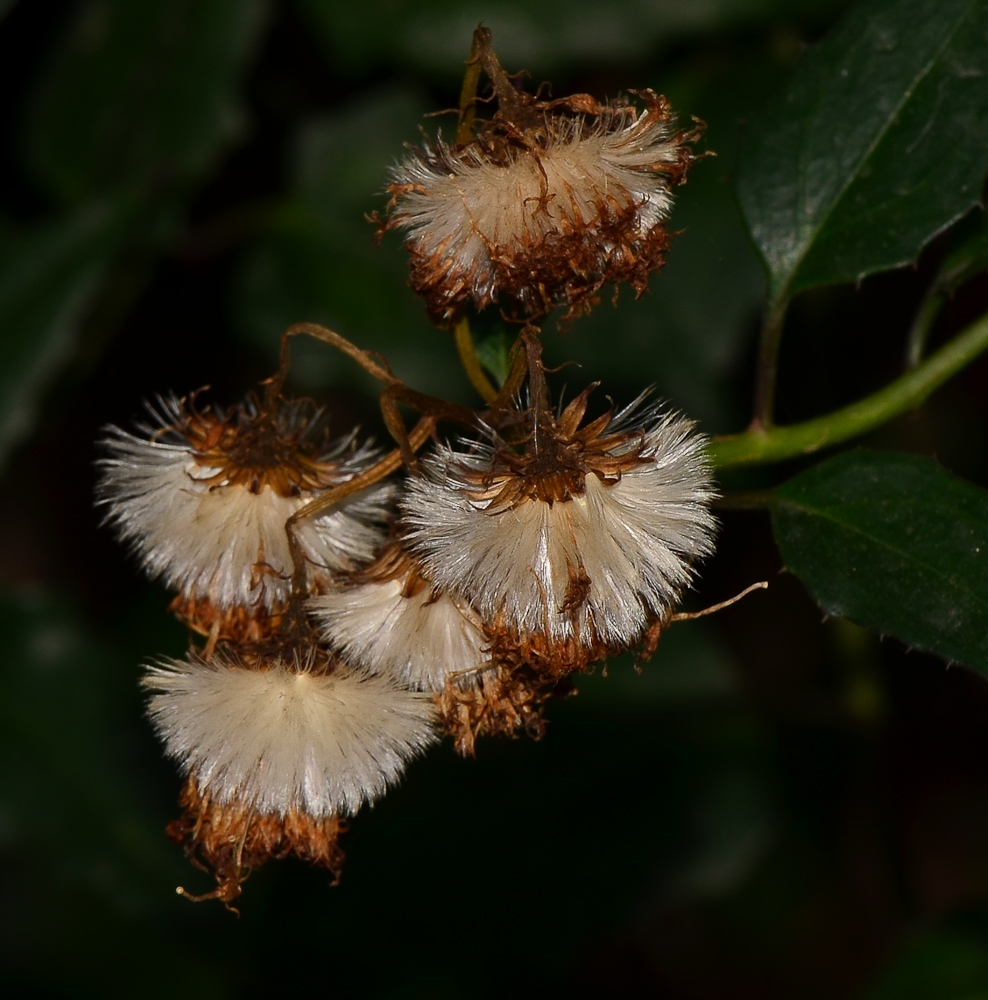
(458, 205)
(423, 640)
(276, 739)
(222, 541)
(636, 540)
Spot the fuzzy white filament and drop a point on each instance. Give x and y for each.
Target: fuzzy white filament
(276, 739)
(222, 541)
(423, 640)
(634, 540)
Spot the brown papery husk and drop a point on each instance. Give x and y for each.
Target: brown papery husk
(231, 840)
(504, 702)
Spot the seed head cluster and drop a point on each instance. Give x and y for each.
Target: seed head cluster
(347, 606)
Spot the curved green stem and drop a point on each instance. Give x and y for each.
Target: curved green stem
(471, 363)
(763, 447)
(922, 326)
(468, 92)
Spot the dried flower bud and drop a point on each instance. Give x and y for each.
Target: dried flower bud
(391, 620)
(276, 750)
(547, 202)
(573, 547)
(203, 495)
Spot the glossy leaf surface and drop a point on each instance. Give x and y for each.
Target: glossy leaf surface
(895, 543)
(48, 278)
(878, 143)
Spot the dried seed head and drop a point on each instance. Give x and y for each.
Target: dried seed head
(277, 736)
(391, 620)
(234, 839)
(579, 541)
(203, 495)
(548, 201)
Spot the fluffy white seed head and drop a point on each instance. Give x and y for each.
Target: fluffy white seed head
(423, 637)
(214, 529)
(278, 739)
(597, 566)
(545, 203)
(459, 205)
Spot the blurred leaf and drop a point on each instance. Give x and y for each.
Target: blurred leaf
(947, 965)
(540, 37)
(689, 668)
(67, 713)
(140, 93)
(87, 871)
(879, 142)
(734, 826)
(48, 277)
(895, 543)
(319, 262)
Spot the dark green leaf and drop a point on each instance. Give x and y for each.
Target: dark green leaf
(895, 543)
(879, 142)
(48, 277)
(140, 93)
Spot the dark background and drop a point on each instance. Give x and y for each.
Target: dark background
(777, 806)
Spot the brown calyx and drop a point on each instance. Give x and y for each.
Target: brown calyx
(232, 840)
(235, 625)
(566, 267)
(557, 456)
(254, 447)
(549, 659)
(256, 634)
(504, 701)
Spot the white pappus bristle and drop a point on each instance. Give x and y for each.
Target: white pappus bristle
(225, 541)
(423, 639)
(278, 739)
(461, 206)
(542, 220)
(633, 541)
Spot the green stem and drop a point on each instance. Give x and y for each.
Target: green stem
(464, 132)
(471, 363)
(468, 92)
(768, 366)
(922, 326)
(763, 447)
